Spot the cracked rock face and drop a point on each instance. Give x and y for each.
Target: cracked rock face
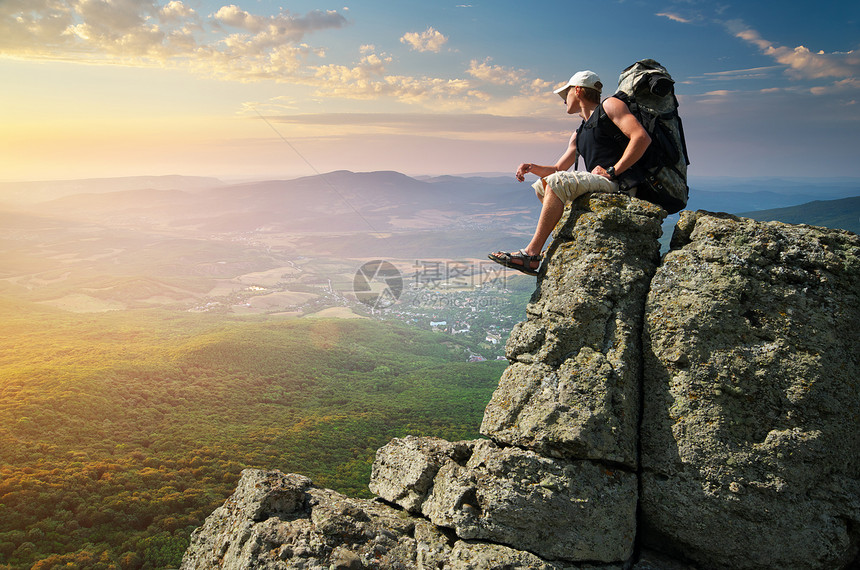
(751, 432)
(324, 530)
(573, 390)
(516, 497)
(740, 350)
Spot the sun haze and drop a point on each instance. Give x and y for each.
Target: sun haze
(131, 87)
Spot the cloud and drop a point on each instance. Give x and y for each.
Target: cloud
(233, 16)
(718, 96)
(495, 73)
(428, 40)
(278, 104)
(362, 81)
(368, 80)
(239, 45)
(436, 124)
(845, 85)
(529, 91)
(231, 43)
(176, 11)
(801, 62)
(122, 28)
(733, 74)
(282, 28)
(675, 17)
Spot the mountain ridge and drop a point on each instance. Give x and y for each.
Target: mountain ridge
(842, 213)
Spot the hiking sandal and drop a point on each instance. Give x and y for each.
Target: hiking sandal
(523, 263)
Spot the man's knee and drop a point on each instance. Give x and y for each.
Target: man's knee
(540, 188)
(560, 184)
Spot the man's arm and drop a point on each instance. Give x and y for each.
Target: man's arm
(619, 114)
(564, 163)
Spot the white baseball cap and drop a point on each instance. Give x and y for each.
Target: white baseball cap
(581, 79)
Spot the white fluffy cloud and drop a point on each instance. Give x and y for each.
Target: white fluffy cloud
(369, 79)
(236, 44)
(801, 62)
(284, 26)
(176, 11)
(495, 73)
(428, 40)
(530, 91)
(231, 42)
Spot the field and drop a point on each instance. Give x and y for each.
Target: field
(157, 342)
(121, 431)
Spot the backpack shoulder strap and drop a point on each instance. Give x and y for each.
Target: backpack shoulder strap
(605, 122)
(628, 100)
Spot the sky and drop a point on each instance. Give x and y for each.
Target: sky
(262, 89)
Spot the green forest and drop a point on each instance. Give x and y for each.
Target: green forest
(121, 431)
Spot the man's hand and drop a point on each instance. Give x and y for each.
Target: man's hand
(522, 170)
(600, 171)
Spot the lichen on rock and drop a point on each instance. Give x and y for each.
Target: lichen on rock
(751, 439)
(694, 412)
(573, 390)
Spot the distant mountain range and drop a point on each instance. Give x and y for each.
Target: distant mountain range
(132, 242)
(337, 201)
(344, 201)
(43, 190)
(842, 214)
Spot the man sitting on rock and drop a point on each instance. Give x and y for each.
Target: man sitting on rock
(606, 160)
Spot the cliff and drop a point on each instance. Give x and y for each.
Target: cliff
(699, 411)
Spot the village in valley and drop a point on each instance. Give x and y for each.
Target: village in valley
(483, 316)
(477, 303)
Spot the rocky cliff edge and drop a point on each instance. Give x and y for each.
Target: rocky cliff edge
(699, 411)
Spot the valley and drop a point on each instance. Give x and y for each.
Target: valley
(161, 334)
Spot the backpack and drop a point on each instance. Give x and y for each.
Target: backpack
(649, 92)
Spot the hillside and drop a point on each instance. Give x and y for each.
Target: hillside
(34, 192)
(153, 341)
(121, 431)
(340, 201)
(841, 214)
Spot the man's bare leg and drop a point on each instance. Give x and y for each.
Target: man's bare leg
(550, 214)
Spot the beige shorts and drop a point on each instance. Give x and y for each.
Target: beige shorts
(569, 186)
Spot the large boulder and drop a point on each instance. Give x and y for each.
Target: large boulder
(740, 348)
(405, 469)
(751, 429)
(515, 497)
(275, 521)
(573, 390)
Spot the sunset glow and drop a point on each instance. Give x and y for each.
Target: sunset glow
(137, 87)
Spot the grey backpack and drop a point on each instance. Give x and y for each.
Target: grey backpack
(649, 92)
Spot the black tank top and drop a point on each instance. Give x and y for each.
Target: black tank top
(598, 142)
